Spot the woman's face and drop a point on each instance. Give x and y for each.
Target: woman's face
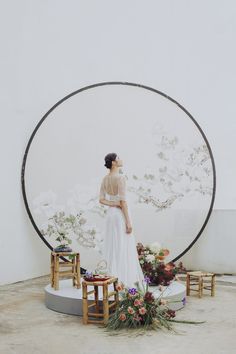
(118, 161)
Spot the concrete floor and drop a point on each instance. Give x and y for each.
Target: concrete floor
(28, 327)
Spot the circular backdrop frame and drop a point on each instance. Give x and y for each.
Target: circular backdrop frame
(127, 84)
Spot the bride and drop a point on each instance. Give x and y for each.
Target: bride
(119, 246)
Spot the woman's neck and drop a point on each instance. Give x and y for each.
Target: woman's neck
(114, 171)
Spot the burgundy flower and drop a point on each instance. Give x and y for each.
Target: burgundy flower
(170, 313)
(148, 297)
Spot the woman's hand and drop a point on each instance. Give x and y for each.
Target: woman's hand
(117, 204)
(128, 228)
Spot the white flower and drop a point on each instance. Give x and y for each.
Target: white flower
(150, 258)
(82, 221)
(155, 247)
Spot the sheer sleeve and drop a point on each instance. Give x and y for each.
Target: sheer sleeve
(122, 188)
(102, 191)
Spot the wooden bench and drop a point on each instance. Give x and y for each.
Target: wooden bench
(73, 272)
(203, 280)
(105, 311)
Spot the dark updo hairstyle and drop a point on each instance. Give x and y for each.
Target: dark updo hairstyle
(109, 158)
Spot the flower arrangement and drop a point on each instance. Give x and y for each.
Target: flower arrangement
(139, 308)
(151, 259)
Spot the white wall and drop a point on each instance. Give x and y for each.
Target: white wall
(50, 48)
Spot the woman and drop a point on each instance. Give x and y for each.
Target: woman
(119, 247)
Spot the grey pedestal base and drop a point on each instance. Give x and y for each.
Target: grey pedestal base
(69, 300)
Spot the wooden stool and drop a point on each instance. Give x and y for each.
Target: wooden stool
(74, 272)
(106, 295)
(199, 278)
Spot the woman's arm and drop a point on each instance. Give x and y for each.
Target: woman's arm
(109, 202)
(123, 203)
(124, 208)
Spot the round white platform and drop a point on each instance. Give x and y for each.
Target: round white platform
(69, 299)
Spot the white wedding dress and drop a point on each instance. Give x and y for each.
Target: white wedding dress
(119, 247)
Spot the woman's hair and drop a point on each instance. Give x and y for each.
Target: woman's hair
(109, 158)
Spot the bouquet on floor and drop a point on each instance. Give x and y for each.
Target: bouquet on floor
(139, 308)
(152, 262)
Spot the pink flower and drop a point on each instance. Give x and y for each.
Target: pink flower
(122, 317)
(142, 311)
(163, 302)
(119, 287)
(130, 310)
(137, 302)
(168, 267)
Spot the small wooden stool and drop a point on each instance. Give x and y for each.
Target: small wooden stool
(199, 278)
(106, 295)
(74, 272)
